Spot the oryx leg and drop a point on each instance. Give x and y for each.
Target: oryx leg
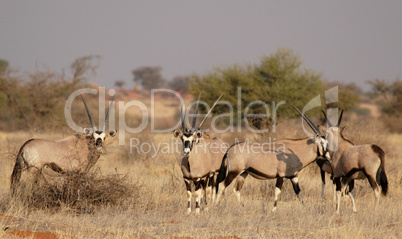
(338, 193)
(278, 187)
(334, 190)
(222, 186)
(239, 185)
(210, 186)
(198, 195)
(296, 187)
(374, 186)
(188, 187)
(205, 183)
(350, 193)
(213, 186)
(322, 184)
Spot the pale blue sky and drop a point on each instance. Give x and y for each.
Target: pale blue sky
(345, 40)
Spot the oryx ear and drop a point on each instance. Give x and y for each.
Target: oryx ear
(112, 133)
(87, 131)
(176, 133)
(199, 134)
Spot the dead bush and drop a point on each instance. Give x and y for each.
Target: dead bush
(79, 192)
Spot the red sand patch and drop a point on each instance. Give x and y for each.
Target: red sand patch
(172, 222)
(34, 235)
(228, 237)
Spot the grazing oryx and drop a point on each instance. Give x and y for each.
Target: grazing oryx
(348, 160)
(76, 153)
(201, 160)
(281, 159)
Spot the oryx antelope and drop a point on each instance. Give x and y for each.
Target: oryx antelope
(348, 160)
(76, 153)
(325, 167)
(201, 159)
(281, 159)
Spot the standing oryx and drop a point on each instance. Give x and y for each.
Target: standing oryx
(201, 159)
(76, 153)
(281, 159)
(348, 160)
(325, 167)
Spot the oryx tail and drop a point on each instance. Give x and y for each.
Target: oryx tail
(19, 164)
(222, 171)
(381, 177)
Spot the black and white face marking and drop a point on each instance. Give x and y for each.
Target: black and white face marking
(188, 139)
(188, 142)
(322, 144)
(99, 137)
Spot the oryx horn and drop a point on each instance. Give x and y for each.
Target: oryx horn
(89, 115)
(339, 120)
(203, 120)
(195, 115)
(309, 122)
(107, 115)
(329, 122)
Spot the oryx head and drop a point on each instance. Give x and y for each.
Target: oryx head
(319, 139)
(191, 136)
(97, 137)
(333, 132)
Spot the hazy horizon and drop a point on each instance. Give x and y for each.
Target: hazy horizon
(345, 41)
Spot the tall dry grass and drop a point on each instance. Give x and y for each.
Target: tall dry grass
(160, 199)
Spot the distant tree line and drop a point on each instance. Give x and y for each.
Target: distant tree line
(277, 77)
(35, 101)
(28, 100)
(150, 77)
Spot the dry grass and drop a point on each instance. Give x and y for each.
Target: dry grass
(160, 200)
(78, 192)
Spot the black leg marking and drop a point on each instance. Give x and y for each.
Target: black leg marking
(338, 184)
(296, 187)
(351, 185)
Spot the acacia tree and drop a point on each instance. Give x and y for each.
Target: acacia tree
(391, 93)
(149, 77)
(348, 95)
(278, 77)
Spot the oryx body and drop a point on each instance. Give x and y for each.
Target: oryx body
(204, 161)
(75, 153)
(201, 159)
(281, 159)
(348, 161)
(325, 167)
(202, 168)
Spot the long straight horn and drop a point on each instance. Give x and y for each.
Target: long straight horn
(107, 115)
(89, 115)
(339, 120)
(326, 118)
(195, 115)
(309, 122)
(199, 126)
